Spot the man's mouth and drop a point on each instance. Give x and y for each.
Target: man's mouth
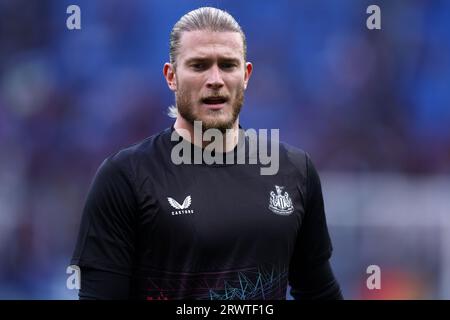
(214, 102)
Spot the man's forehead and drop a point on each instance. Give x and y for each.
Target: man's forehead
(203, 43)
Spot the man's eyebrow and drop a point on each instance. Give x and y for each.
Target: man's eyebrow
(196, 59)
(206, 59)
(232, 60)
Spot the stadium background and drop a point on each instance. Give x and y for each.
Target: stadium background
(371, 107)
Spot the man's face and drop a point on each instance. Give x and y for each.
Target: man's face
(210, 78)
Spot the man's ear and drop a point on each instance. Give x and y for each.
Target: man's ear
(169, 74)
(248, 73)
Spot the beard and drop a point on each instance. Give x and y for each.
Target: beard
(211, 119)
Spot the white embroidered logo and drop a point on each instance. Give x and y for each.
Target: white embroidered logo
(280, 203)
(181, 208)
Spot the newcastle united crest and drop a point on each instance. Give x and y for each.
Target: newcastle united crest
(280, 203)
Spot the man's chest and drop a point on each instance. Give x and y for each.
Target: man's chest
(219, 206)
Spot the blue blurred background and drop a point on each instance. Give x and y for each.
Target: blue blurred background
(372, 107)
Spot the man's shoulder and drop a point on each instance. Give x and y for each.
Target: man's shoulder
(143, 150)
(292, 150)
(294, 155)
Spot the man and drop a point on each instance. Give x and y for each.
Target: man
(153, 229)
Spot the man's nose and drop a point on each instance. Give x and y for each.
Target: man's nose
(214, 80)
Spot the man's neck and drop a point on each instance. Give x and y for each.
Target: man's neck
(186, 130)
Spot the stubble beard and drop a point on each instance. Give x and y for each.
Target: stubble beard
(213, 119)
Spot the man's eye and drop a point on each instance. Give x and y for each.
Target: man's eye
(198, 66)
(227, 65)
